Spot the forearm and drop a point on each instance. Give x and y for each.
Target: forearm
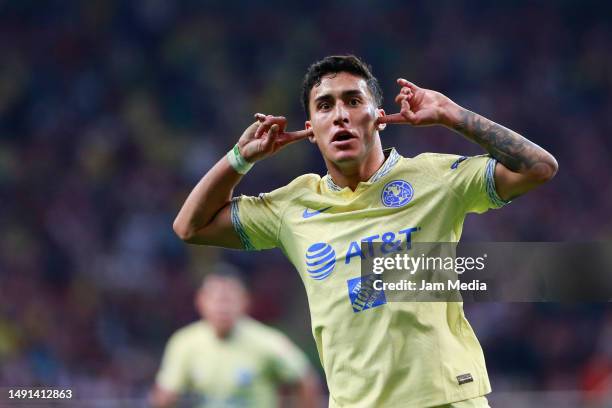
(207, 198)
(512, 150)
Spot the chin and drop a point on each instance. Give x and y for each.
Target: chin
(346, 155)
(336, 155)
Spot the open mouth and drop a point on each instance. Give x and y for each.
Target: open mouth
(342, 136)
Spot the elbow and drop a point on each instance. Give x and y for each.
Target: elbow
(554, 167)
(545, 170)
(190, 235)
(182, 231)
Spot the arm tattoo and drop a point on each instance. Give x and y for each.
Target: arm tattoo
(508, 147)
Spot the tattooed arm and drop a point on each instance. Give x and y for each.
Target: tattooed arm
(522, 165)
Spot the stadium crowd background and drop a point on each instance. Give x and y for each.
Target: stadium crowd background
(110, 112)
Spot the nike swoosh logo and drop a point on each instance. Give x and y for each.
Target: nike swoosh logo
(308, 214)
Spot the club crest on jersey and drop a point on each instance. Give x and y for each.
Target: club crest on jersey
(396, 193)
(320, 260)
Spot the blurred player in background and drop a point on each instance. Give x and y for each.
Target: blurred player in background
(375, 353)
(229, 360)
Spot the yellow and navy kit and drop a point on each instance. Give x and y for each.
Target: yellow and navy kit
(377, 353)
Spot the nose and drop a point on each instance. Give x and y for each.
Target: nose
(341, 116)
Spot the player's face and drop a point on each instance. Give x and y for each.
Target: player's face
(343, 117)
(221, 301)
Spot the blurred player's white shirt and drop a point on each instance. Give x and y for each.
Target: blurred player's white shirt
(377, 353)
(243, 370)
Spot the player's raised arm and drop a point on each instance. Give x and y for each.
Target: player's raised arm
(522, 165)
(205, 216)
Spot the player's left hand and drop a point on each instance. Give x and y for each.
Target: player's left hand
(419, 106)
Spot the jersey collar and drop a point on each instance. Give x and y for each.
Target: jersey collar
(392, 157)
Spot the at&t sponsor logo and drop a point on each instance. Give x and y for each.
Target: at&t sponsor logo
(320, 260)
(321, 257)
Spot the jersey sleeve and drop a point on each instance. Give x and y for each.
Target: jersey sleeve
(257, 220)
(471, 178)
(288, 362)
(172, 375)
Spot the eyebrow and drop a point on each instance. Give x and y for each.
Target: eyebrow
(327, 96)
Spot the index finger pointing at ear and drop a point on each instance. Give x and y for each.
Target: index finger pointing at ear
(392, 118)
(290, 137)
(299, 134)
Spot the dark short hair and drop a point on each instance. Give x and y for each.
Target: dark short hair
(334, 64)
(226, 271)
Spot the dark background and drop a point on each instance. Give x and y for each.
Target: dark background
(110, 112)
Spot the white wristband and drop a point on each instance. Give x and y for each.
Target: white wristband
(238, 162)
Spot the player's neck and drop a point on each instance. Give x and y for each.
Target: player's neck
(351, 174)
(223, 334)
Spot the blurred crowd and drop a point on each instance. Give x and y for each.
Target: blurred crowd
(111, 111)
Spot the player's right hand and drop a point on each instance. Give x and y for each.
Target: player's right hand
(267, 136)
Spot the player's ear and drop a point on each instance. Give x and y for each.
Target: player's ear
(379, 114)
(308, 126)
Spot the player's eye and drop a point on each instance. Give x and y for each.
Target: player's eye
(355, 101)
(323, 106)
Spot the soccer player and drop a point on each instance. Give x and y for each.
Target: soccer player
(374, 353)
(229, 360)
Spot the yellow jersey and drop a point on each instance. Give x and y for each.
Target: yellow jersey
(377, 353)
(242, 370)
